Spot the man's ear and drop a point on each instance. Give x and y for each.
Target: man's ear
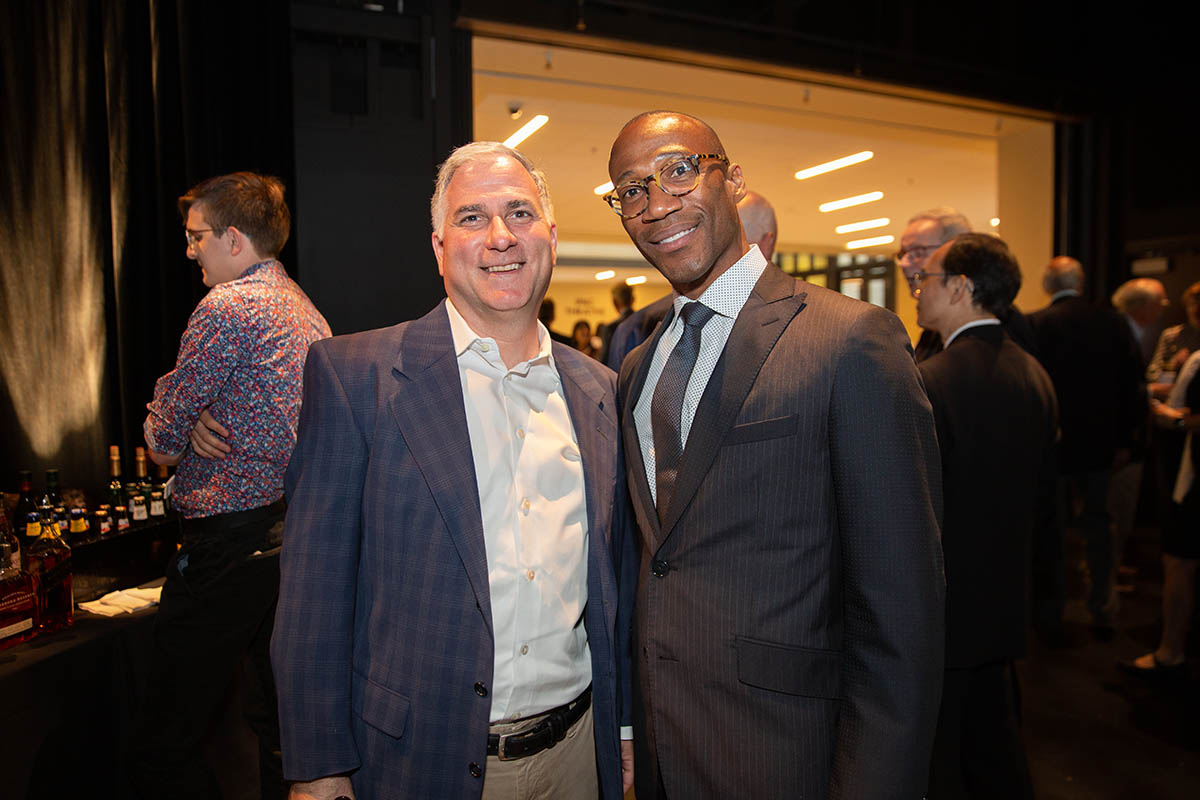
(438, 251)
(235, 239)
(734, 176)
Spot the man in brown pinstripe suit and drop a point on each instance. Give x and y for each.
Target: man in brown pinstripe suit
(785, 476)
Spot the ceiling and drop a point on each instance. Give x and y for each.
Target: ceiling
(926, 154)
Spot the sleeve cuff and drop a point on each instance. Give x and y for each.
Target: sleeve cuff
(626, 733)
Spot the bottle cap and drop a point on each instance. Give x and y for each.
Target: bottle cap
(114, 451)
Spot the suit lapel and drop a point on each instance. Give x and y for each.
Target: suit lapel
(635, 464)
(428, 389)
(596, 431)
(759, 325)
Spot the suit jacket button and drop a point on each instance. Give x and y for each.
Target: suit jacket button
(474, 770)
(660, 567)
(480, 690)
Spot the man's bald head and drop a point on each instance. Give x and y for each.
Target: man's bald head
(1063, 273)
(758, 221)
(1143, 299)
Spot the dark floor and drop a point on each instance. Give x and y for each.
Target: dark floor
(1095, 733)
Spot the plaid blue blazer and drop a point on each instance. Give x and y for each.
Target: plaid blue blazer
(384, 625)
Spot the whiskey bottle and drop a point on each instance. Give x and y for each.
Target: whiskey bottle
(18, 602)
(114, 471)
(51, 497)
(143, 477)
(49, 562)
(8, 535)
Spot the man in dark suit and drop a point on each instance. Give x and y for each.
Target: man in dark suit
(449, 594)
(1093, 361)
(622, 299)
(996, 422)
(785, 477)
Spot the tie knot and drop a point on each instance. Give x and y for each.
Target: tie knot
(695, 314)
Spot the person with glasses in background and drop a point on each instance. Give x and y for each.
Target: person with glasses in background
(786, 481)
(997, 420)
(925, 233)
(226, 417)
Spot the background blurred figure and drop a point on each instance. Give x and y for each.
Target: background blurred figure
(1141, 301)
(997, 422)
(582, 339)
(758, 221)
(1181, 536)
(1176, 344)
(546, 317)
(622, 300)
(1093, 361)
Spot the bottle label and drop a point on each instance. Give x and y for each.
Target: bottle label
(33, 529)
(15, 628)
(122, 523)
(156, 508)
(79, 526)
(105, 526)
(15, 601)
(139, 511)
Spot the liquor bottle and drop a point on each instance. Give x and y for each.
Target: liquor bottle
(138, 508)
(103, 521)
(120, 518)
(161, 483)
(143, 477)
(51, 497)
(49, 562)
(18, 602)
(26, 505)
(78, 526)
(157, 507)
(114, 471)
(8, 535)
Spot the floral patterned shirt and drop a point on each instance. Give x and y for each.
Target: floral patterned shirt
(241, 358)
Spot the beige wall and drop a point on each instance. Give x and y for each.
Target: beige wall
(1025, 203)
(592, 301)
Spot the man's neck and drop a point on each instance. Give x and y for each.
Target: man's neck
(515, 332)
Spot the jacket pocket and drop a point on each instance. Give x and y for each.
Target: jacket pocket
(789, 669)
(758, 430)
(379, 706)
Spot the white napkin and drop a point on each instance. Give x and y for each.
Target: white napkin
(124, 601)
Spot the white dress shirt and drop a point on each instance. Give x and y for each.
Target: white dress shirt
(531, 494)
(975, 323)
(726, 296)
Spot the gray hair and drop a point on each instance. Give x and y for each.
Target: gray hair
(1062, 273)
(1134, 295)
(949, 220)
(475, 151)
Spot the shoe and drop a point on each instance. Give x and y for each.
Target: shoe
(1159, 670)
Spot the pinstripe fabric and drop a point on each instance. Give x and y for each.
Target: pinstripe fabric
(792, 646)
(383, 628)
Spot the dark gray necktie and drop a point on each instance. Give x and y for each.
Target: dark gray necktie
(666, 407)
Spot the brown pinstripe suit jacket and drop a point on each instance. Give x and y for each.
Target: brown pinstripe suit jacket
(788, 628)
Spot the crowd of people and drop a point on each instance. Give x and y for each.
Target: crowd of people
(775, 551)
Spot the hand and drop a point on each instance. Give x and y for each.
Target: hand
(626, 766)
(204, 437)
(1177, 360)
(322, 789)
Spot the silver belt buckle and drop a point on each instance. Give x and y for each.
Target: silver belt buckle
(500, 748)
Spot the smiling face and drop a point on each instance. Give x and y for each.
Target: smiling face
(497, 247)
(213, 253)
(693, 238)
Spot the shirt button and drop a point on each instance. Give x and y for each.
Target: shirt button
(524, 649)
(529, 575)
(520, 433)
(525, 505)
(485, 347)
(474, 770)
(480, 689)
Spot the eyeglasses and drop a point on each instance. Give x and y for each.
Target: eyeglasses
(916, 251)
(677, 178)
(194, 236)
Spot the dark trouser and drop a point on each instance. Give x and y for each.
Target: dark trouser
(1048, 578)
(1096, 526)
(977, 749)
(218, 605)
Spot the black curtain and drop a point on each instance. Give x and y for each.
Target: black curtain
(111, 110)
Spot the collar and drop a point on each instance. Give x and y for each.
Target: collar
(1059, 295)
(730, 291)
(466, 339)
(975, 323)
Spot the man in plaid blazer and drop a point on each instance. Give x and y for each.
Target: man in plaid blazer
(447, 621)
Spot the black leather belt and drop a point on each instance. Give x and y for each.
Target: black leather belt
(549, 731)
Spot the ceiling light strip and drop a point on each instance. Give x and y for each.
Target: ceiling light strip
(837, 163)
(526, 130)
(865, 225)
(847, 202)
(874, 240)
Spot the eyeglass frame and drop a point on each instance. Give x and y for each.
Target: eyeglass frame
(612, 201)
(902, 252)
(192, 238)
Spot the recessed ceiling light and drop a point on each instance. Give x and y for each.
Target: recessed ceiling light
(837, 163)
(846, 202)
(865, 225)
(603, 188)
(874, 240)
(526, 130)
(606, 274)
(635, 280)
